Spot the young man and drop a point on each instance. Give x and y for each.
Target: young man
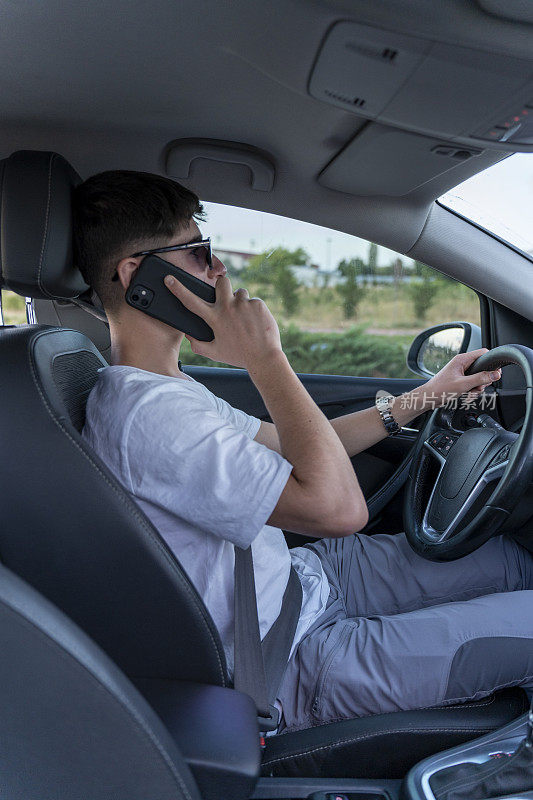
(380, 628)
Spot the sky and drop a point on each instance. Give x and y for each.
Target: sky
(499, 199)
(233, 228)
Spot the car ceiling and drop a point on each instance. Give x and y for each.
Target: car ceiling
(114, 84)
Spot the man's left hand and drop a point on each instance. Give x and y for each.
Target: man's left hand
(451, 382)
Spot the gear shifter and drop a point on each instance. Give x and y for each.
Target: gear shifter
(529, 737)
(502, 775)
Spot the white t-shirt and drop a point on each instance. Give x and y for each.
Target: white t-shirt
(189, 460)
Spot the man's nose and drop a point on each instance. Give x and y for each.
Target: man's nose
(218, 267)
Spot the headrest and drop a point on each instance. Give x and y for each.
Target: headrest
(36, 257)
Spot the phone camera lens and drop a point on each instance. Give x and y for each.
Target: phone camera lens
(135, 297)
(144, 302)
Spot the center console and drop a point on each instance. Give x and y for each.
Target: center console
(464, 766)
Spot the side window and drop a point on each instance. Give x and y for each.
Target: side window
(13, 308)
(344, 306)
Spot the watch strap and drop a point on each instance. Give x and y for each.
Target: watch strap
(383, 405)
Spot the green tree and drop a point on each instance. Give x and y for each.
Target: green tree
(372, 257)
(286, 287)
(273, 268)
(263, 267)
(423, 290)
(422, 270)
(351, 292)
(397, 271)
(372, 261)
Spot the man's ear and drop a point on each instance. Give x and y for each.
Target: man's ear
(126, 269)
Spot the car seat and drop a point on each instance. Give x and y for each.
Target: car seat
(72, 725)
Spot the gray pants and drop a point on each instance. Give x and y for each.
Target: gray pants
(400, 632)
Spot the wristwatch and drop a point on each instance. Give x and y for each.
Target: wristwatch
(383, 405)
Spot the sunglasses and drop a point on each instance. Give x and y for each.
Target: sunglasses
(203, 246)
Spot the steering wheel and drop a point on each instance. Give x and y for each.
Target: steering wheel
(463, 485)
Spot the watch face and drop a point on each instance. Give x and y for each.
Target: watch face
(383, 402)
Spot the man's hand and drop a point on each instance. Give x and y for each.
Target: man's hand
(451, 381)
(245, 330)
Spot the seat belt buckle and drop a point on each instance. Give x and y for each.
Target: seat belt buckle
(270, 723)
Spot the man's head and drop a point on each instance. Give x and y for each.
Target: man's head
(120, 212)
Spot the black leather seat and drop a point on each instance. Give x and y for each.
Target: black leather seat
(387, 745)
(72, 725)
(72, 532)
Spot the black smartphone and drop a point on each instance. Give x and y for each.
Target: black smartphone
(148, 293)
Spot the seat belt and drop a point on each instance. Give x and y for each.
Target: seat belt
(259, 667)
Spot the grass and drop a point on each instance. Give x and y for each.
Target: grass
(383, 307)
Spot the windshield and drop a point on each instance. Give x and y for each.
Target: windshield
(499, 200)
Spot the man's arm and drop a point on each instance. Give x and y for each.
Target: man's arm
(322, 496)
(357, 431)
(362, 429)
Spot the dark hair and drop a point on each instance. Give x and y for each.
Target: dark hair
(119, 212)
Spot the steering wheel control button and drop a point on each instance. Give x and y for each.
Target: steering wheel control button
(442, 443)
(499, 755)
(502, 455)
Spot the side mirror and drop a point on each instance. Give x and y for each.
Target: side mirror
(434, 347)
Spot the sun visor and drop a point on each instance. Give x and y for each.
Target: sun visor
(468, 96)
(389, 162)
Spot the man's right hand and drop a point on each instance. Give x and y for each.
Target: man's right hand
(245, 330)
